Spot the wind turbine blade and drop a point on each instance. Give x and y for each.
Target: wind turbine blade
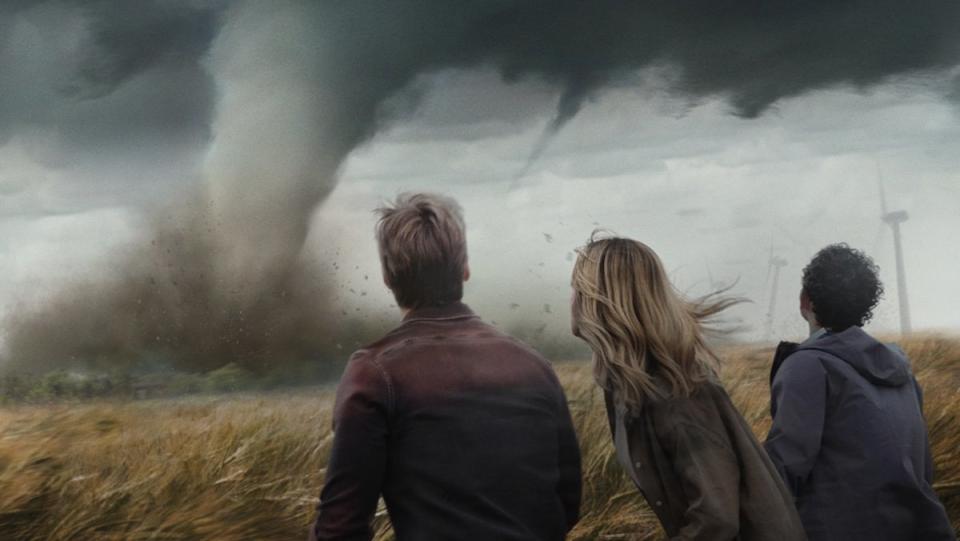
(766, 280)
(883, 195)
(876, 238)
(793, 239)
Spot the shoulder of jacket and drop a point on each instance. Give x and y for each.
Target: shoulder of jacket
(692, 418)
(367, 357)
(365, 371)
(697, 409)
(531, 352)
(805, 360)
(392, 344)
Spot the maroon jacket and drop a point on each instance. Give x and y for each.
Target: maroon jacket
(464, 431)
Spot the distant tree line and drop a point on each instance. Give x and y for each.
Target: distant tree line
(152, 375)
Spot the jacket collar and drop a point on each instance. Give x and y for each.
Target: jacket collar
(878, 363)
(454, 310)
(814, 336)
(786, 349)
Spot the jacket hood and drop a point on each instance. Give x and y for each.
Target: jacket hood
(878, 363)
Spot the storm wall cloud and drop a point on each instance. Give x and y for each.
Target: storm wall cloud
(123, 39)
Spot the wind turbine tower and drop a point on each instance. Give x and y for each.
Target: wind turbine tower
(775, 264)
(894, 219)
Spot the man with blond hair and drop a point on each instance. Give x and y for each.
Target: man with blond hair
(464, 431)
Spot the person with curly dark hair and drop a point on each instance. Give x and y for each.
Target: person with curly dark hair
(842, 288)
(848, 434)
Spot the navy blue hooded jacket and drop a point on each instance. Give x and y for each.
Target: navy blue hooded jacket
(850, 441)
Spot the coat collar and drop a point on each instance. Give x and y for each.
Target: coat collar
(454, 310)
(784, 350)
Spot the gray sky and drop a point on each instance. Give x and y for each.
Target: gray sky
(709, 191)
(102, 126)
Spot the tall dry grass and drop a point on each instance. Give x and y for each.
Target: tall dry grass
(251, 466)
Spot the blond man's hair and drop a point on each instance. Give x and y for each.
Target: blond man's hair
(647, 339)
(423, 249)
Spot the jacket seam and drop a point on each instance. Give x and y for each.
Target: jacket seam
(396, 347)
(440, 318)
(386, 378)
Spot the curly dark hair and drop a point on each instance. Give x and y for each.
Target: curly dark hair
(842, 284)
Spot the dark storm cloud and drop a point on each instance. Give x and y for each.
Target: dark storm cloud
(106, 74)
(750, 53)
(127, 38)
(754, 53)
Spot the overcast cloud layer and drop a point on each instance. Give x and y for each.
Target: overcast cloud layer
(712, 133)
(710, 192)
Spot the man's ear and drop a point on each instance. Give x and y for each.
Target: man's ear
(383, 272)
(386, 279)
(466, 272)
(806, 308)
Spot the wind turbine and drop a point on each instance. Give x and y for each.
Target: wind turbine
(894, 219)
(774, 264)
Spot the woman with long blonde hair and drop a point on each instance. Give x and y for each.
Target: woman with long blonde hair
(675, 430)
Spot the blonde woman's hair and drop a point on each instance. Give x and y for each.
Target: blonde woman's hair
(647, 339)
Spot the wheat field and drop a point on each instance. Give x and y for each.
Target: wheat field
(250, 466)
